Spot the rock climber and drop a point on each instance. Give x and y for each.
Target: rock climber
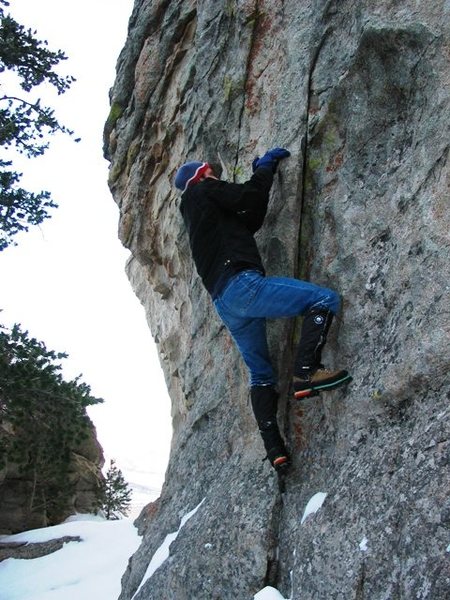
(221, 219)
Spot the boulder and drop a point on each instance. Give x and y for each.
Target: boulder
(359, 93)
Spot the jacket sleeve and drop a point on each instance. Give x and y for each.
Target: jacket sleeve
(248, 200)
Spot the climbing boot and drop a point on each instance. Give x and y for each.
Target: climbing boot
(315, 327)
(264, 403)
(310, 376)
(320, 380)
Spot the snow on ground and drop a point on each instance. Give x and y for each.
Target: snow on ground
(93, 568)
(88, 569)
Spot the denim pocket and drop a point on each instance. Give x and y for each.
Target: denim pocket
(240, 292)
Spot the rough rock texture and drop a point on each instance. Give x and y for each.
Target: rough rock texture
(359, 92)
(27, 551)
(84, 479)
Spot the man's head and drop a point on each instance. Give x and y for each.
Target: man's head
(192, 172)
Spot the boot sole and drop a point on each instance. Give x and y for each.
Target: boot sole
(281, 463)
(282, 467)
(315, 389)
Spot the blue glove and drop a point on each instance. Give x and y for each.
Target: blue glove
(270, 159)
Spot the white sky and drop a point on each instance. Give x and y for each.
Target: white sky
(65, 282)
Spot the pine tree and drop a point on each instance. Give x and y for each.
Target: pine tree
(42, 417)
(115, 493)
(25, 123)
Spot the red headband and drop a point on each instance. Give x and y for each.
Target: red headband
(197, 175)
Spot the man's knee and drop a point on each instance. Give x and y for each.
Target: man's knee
(329, 299)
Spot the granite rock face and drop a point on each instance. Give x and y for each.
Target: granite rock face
(359, 93)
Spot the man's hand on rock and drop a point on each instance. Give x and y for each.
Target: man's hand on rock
(270, 159)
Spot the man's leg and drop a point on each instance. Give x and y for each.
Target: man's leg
(265, 403)
(310, 376)
(253, 295)
(250, 337)
(256, 296)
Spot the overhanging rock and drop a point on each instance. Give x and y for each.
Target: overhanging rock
(359, 93)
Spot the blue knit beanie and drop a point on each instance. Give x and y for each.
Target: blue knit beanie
(189, 173)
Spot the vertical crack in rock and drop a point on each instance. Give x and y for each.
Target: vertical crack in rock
(359, 593)
(305, 144)
(273, 574)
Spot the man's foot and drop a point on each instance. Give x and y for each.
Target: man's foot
(264, 403)
(277, 453)
(320, 380)
(279, 459)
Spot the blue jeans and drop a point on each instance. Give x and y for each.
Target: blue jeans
(249, 298)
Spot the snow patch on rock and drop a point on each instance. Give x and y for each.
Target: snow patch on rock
(313, 505)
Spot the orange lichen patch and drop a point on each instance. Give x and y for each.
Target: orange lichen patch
(147, 65)
(335, 163)
(329, 187)
(264, 32)
(228, 343)
(297, 437)
(252, 104)
(247, 8)
(313, 104)
(150, 511)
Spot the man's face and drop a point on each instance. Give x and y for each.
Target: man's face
(209, 173)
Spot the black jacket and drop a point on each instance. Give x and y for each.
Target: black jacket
(221, 219)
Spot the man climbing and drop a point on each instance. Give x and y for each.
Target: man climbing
(221, 219)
